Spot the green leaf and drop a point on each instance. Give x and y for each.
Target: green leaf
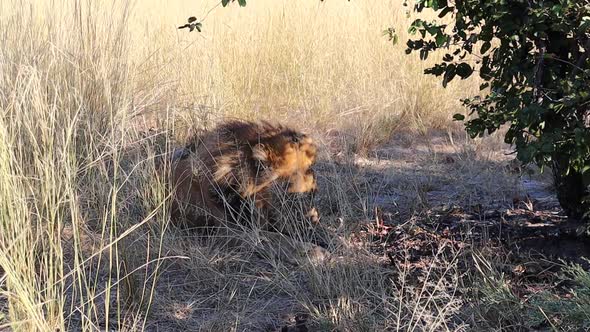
(417, 24)
(242, 3)
(437, 70)
(441, 39)
(434, 30)
(392, 35)
(450, 73)
(423, 54)
(464, 70)
(485, 47)
(432, 4)
(557, 10)
(436, 4)
(224, 3)
(458, 117)
(445, 11)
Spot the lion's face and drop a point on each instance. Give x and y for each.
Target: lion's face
(292, 163)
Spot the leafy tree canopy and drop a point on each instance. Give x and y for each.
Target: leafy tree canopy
(533, 57)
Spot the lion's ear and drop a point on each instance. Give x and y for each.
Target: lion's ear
(259, 153)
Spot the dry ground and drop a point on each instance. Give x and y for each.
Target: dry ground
(422, 228)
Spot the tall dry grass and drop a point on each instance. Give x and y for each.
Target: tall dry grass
(326, 63)
(84, 228)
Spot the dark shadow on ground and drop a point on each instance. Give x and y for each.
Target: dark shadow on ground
(417, 195)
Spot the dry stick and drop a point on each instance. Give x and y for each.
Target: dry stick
(210, 10)
(539, 72)
(582, 59)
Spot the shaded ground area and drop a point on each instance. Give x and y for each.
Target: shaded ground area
(433, 199)
(470, 195)
(520, 234)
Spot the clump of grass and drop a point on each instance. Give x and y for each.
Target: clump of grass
(495, 303)
(498, 301)
(70, 188)
(570, 309)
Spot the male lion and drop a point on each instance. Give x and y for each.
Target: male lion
(229, 173)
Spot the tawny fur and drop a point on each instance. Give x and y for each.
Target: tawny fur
(228, 172)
